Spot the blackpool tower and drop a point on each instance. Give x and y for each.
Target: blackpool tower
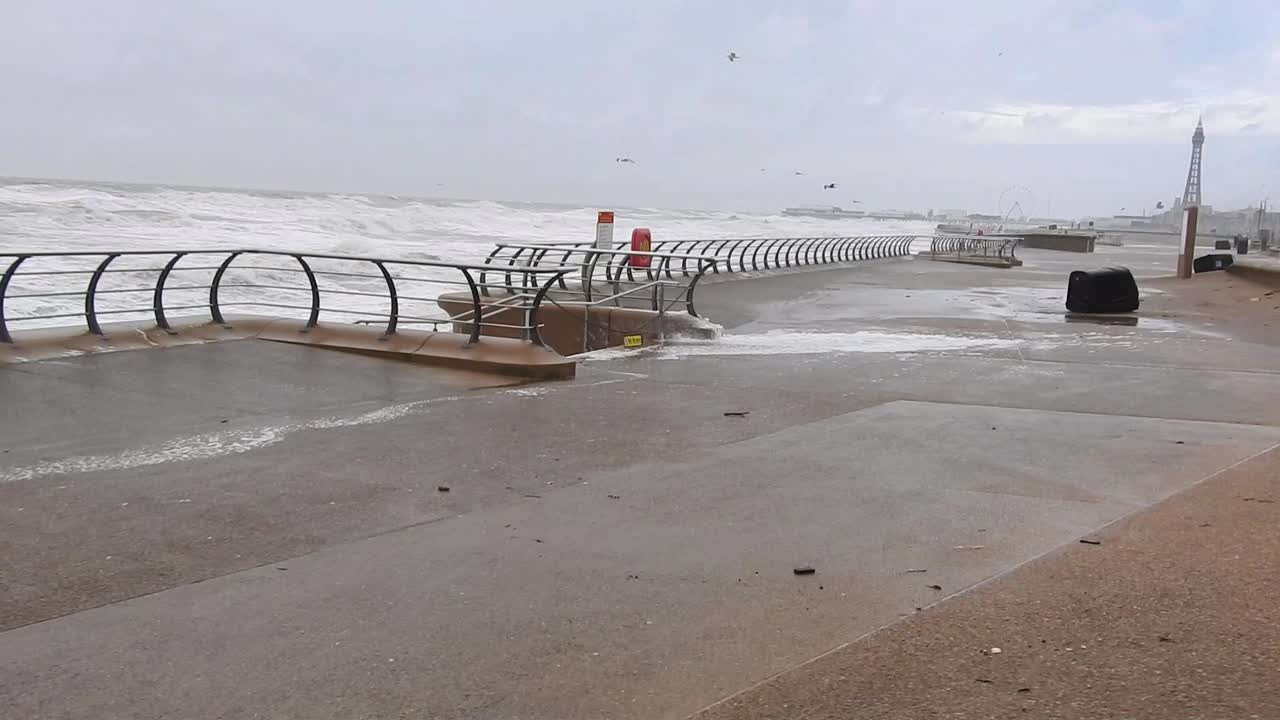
(1191, 196)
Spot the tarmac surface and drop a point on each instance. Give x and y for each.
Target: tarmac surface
(249, 529)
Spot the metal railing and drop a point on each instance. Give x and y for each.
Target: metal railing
(733, 255)
(969, 246)
(520, 276)
(377, 281)
(653, 280)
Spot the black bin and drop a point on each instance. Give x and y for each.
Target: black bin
(1209, 263)
(1105, 290)
(1242, 246)
(1221, 244)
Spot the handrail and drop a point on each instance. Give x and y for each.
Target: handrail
(539, 280)
(617, 267)
(732, 255)
(1002, 247)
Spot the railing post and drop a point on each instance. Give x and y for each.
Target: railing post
(394, 317)
(4, 288)
(589, 275)
(568, 255)
(742, 256)
(716, 253)
(91, 297)
(507, 276)
(531, 317)
(157, 301)
(215, 311)
(754, 264)
(314, 318)
(693, 284)
(484, 280)
(475, 304)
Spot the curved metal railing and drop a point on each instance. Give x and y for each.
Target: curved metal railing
(655, 280)
(733, 255)
(1002, 248)
(380, 281)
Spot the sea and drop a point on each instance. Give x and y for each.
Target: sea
(60, 216)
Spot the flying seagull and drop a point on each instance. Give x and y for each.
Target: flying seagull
(624, 160)
(733, 56)
(799, 173)
(829, 186)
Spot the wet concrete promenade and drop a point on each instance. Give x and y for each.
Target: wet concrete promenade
(249, 529)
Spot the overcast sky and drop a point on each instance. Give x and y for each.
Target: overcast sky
(1074, 105)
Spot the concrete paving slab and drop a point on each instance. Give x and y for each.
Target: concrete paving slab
(1171, 615)
(649, 599)
(971, 378)
(92, 513)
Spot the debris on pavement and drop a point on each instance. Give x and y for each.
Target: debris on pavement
(934, 587)
(615, 497)
(914, 570)
(969, 547)
(442, 488)
(737, 413)
(804, 570)
(1087, 541)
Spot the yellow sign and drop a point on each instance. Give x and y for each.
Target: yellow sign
(633, 341)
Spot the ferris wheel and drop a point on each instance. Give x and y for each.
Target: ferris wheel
(1016, 202)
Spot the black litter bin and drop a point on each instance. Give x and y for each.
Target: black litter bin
(1209, 263)
(1242, 246)
(1221, 244)
(1105, 290)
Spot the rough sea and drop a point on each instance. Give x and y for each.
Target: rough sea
(40, 216)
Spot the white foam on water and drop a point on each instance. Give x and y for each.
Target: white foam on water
(528, 392)
(206, 446)
(57, 217)
(782, 342)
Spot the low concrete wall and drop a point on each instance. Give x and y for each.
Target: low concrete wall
(1065, 242)
(500, 355)
(570, 328)
(984, 260)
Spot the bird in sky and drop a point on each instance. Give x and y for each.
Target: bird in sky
(799, 173)
(1160, 205)
(624, 160)
(829, 186)
(733, 56)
